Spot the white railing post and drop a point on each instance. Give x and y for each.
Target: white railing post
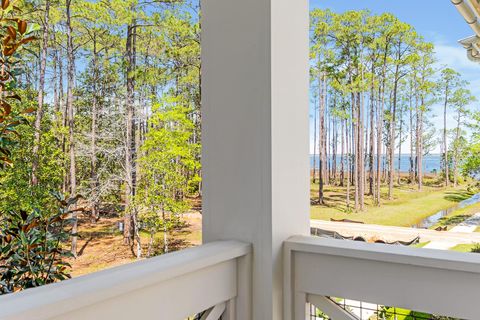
(256, 134)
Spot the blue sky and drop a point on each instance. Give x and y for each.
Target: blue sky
(436, 20)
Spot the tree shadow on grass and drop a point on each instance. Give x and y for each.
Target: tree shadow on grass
(454, 220)
(82, 249)
(334, 201)
(173, 245)
(458, 196)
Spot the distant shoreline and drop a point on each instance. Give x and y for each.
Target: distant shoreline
(403, 173)
(396, 154)
(431, 163)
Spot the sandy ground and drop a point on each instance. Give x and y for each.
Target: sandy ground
(100, 245)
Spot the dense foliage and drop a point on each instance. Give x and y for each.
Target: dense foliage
(15, 33)
(115, 87)
(31, 252)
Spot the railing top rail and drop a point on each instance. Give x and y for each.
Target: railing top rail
(93, 288)
(440, 259)
(431, 281)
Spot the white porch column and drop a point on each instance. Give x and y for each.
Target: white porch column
(255, 133)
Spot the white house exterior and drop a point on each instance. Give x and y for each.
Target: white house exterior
(258, 261)
(470, 10)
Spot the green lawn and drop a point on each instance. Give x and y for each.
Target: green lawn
(404, 314)
(420, 245)
(408, 207)
(464, 247)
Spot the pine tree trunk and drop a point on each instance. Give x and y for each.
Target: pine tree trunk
(348, 159)
(342, 155)
(391, 150)
(41, 88)
(445, 144)
(94, 184)
(314, 145)
(130, 143)
(380, 110)
(419, 143)
(56, 97)
(361, 151)
(400, 147)
(64, 109)
(328, 139)
(334, 150)
(378, 177)
(325, 131)
(356, 154)
(321, 141)
(371, 152)
(455, 151)
(412, 145)
(71, 121)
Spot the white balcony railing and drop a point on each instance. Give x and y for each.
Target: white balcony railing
(214, 277)
(432, 281)
(173, 286)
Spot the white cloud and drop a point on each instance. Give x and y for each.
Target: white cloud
(455, 56)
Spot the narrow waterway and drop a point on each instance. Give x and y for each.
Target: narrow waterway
(433, 219)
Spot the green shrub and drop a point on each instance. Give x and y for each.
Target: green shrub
(31, 252)
(476, 248)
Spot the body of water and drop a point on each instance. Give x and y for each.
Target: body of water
(431, 163)
(433, 219)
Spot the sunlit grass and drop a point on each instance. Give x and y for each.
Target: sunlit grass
(464, 247)
(420, 245)
(408, 207)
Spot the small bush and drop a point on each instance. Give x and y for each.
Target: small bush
(476, 248)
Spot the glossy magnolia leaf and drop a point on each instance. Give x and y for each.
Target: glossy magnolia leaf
(6, 161)
(10, 50)
(7, 108)
(6, 40)
(22, 26)
(12, 32)
(5, 4)
(29, 110)
(28, 39)
(14, 96)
